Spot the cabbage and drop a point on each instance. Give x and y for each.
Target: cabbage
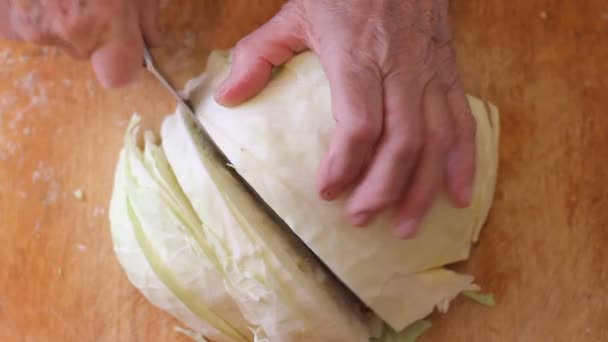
(214, 260)
(160, 243)
(281, 291)
(199, 245)
(276, 141)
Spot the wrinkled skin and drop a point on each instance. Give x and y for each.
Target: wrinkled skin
(110, 32)
(404, 127)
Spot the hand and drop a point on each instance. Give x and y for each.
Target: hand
(403, 124)
(110, 32)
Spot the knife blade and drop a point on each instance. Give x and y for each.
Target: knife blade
(190, 111)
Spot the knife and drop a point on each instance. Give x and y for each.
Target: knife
(211, 149)
(189, 109)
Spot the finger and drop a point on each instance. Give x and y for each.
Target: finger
(356, 92)
(149, 22)
(6, 27)
(78, 34)
(428, 177)
(255, 55)
(461, 159)
(117, 61)
(397, 153)
(25, 21)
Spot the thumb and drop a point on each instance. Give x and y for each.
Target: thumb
(255, 55)
(117, 61)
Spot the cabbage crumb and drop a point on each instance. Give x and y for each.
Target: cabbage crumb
(486, 299)
(409, 334)
(78, 194)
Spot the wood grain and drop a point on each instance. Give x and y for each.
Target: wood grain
(544, 250)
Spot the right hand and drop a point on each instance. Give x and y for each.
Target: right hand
(109, 32)
(403, 124)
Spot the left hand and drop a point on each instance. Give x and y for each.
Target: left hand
(403, 124)
(109, 32)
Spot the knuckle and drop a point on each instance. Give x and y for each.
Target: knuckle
(440, 138)
(379, 200)
(422, 197)
(407, 144)
(362, 130)
(31, 34)
(70, 29)
(445, 56)
(244, 45)
(468, 125)
(356, 63)
(359, 71)
(423, 200)
(382, 201)
(363, 59)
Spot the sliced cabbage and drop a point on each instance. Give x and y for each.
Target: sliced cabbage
(160, 243)
(281, 291)
(215, 261)
(276, 141)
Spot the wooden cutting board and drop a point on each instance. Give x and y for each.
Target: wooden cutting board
(544, 251)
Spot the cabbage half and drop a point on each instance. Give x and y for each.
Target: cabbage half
(276, 142)
(197, 244)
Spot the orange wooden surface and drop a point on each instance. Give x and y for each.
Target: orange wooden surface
(544, 252)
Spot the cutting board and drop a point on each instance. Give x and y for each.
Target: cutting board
(544, 250)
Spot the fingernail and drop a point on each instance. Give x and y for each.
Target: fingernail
(407, 229)
(328, 186)
(360, 219)
(330, 193)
